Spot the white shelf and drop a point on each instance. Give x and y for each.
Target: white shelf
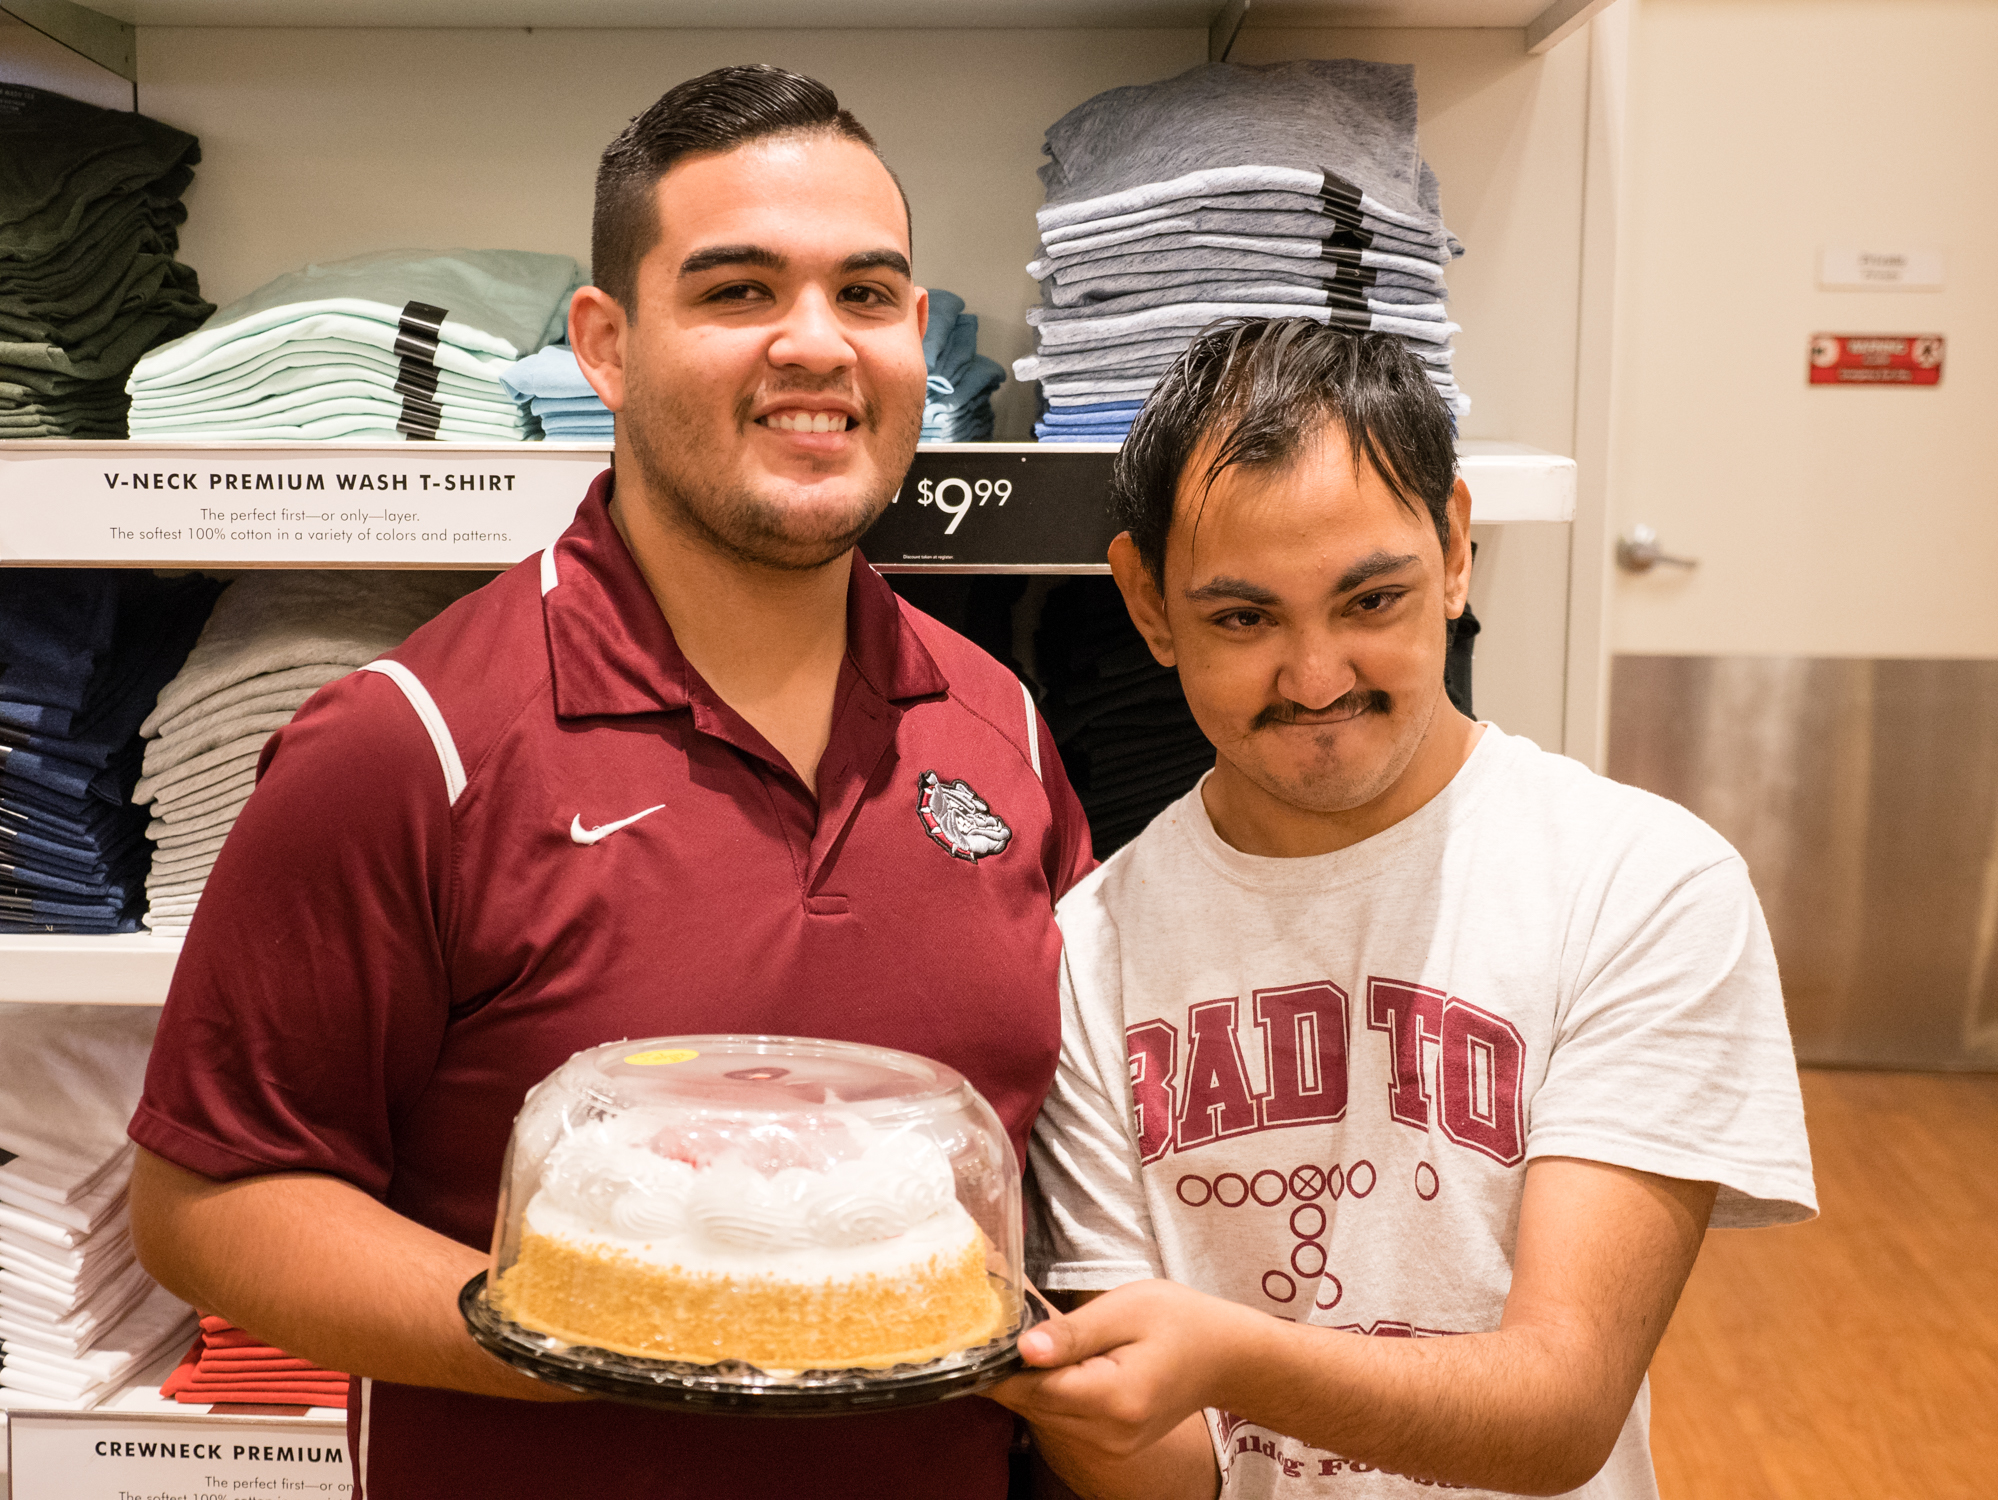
(455, 505)
(870, 15)
(127, 969)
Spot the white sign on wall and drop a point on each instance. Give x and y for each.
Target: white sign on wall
(415, 505)
(1847, 268)
(88, 1456)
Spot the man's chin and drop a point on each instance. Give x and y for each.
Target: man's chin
(1332, 780)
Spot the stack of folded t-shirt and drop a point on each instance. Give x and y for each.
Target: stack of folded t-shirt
(227, 1365)
(1128, 741)
(1295, 189)
(958, 408)
(273, 640)
(403, 343)
(78, 1314)
(551, 387)
(83, 654)
(89, 214)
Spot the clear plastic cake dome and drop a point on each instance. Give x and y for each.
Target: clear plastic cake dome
(755, 1214)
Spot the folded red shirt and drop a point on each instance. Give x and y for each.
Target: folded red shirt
(227, 1365)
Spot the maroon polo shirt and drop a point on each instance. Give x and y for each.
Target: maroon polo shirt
(405, 933)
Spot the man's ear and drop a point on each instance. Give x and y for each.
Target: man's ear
(1142, 597)
(597, 326)
(1457, 560)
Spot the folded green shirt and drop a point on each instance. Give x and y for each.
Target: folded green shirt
(499, 305)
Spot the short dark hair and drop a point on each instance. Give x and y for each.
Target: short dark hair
(713, 113)
(1263, 388)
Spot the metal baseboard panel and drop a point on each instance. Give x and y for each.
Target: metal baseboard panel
(1864, 796)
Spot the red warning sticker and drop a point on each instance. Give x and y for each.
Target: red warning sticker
(1876, 358)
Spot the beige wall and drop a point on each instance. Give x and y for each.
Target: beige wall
(1828, 521)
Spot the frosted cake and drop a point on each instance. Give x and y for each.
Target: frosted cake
(812, 1245)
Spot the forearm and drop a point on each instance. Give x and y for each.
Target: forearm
(1510, 1410)
(318, 1268)
(1180, 1466)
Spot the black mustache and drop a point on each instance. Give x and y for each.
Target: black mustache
(1351, 705)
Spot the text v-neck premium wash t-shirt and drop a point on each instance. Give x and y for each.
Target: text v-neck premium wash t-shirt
(402, 937)
(1315, 1086)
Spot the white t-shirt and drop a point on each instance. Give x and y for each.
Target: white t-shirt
(1312, 1086)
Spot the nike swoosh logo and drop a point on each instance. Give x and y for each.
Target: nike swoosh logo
(584, 835)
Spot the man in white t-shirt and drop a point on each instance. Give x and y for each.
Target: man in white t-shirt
(1404, 1063)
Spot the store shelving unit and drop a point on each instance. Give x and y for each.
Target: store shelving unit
(997, 507)
(377, 104)
(979, 507)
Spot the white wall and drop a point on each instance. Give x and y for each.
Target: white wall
(1828, 521)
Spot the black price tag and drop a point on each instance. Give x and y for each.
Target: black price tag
(997, 507)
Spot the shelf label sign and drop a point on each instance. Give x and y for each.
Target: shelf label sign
(325, 507)
(1876, 358)
(960, 509)
(88, 1456)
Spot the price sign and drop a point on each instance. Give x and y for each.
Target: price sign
(94, 1456)
(996, 507)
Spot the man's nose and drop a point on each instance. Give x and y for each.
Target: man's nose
(1314, 672)
(811, 336)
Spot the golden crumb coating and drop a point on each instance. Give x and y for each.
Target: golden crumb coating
(609, 1300)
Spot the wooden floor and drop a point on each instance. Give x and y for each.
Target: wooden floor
(1855, 1356)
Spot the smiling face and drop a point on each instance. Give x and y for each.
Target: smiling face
(1305, 609)
(769, 381)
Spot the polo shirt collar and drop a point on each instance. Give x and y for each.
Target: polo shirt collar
(612, 652)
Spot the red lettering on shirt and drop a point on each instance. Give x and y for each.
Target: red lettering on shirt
(1217, 1100)
(1153, 1050)
(1410, 1014)
(1304, 1045)
(1483, 1058)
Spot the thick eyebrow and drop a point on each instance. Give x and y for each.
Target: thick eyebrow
(769, 260)
(867, 260)
(1370, 567)
(1218, 589)
(731, 255)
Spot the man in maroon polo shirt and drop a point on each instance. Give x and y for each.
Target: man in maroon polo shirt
(668, 776)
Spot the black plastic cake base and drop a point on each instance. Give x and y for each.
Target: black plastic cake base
(733, 1387)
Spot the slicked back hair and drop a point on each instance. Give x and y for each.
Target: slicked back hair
(713, 113)
(1264, 389)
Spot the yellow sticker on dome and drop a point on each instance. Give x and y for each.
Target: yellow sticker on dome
(660, 1055)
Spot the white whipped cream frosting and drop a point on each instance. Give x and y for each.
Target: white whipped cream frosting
(604, 1175)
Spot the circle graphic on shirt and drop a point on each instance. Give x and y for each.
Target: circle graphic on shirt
(1226, 1196)
(1201, 1184)
(1353, 1178)
(1307, 1182)
(1284, 1290)
(1257, 1189)
(1335, 1182)
(1338, 1291)
(661, 1056)
(958, 819)
(1426, 1184)
(1308, 1259)
(1307, 1221)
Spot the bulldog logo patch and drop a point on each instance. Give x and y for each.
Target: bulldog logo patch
(959, 819)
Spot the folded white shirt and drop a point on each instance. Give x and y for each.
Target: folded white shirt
(78, 1329)
(72, 1261)
(86, 1214)
(158, 1319)
(70, 1077)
